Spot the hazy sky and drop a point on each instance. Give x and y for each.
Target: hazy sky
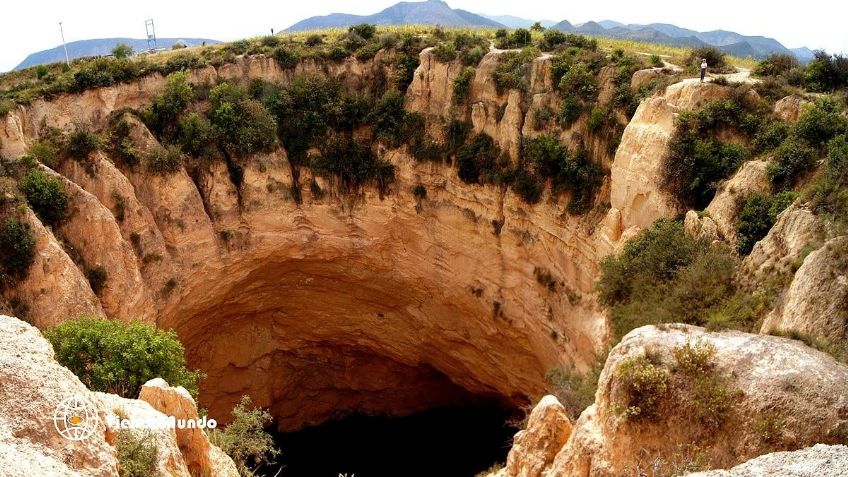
(30, 26)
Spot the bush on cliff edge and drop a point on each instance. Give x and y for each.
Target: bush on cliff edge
(116, 357)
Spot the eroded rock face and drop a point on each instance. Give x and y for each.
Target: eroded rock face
(820, 460)
(816, 300)
(790, 107)
(636, 172)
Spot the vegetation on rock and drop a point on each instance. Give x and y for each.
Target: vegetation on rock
(116, 357)
(245, 439)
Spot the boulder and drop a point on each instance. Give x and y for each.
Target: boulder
(820, 461)
(534, 448)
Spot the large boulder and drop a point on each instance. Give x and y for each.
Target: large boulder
(534, 448)
(820, 461)
(776, 392)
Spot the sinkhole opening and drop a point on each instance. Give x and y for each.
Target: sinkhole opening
(455, 441)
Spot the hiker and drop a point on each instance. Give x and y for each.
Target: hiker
(703, 68)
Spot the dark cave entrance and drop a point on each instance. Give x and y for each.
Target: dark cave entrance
(456, 441)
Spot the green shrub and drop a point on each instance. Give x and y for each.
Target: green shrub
(163, 114)
(776, 64)
(477, 158)
(245, 439)
(269, 41)
(569, 111)
(45, 195)
(716, 59)
(137, 453)
(97, 277)
(122, 51)
(706, 395)
(243, 125)
(364, 30)
(445, 52)
(828, 193)
(511, 70)
(791, 160)
(121, 145)
(826, 72)
(694, 167)
(164, 160)
(771, 136)
(352, 164)
(472, 56)
(388, 117)
(115, 357)
(656, 61)
(641, 386)
(103, 72)
(45, 152)
(81, 143)
(573, 172)
(462, 85)
(821, 122)
(314, 40)
(196, 134)
(579, 82)
(526, 186)
(367, 52)
(285, 57)
(17, 250)
(758, 215)
(596, 119)
(665, 276)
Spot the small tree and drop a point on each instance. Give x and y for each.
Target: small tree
(537, 27)
(245, 439)
(45, 195)
(137, 453)
(17, 250)
(122, 50)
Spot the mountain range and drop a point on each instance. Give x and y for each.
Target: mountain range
(430, 12)
(437, 12)
(100, 46)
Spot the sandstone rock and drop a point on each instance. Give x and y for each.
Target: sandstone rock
(817, 298)
(643, 77)
(431, 90)
(725, 207)
(804, 390)
(32, 386)
(820, 461)
(55, 290)
(636, 175)
(789, 108)
(534, 448)
(797, 230)
(177, 402)
(700, 226)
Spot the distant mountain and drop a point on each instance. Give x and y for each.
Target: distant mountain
(803, 54)
(517, 22)
(100, 46)
(730, 42)
(432, 12)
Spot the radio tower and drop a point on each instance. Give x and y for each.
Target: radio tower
(151, 34)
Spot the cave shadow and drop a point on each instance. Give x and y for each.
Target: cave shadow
(457, 441)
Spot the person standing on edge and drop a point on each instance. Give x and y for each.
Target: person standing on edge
(703, 69)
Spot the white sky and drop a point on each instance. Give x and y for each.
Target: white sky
(32, 25)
